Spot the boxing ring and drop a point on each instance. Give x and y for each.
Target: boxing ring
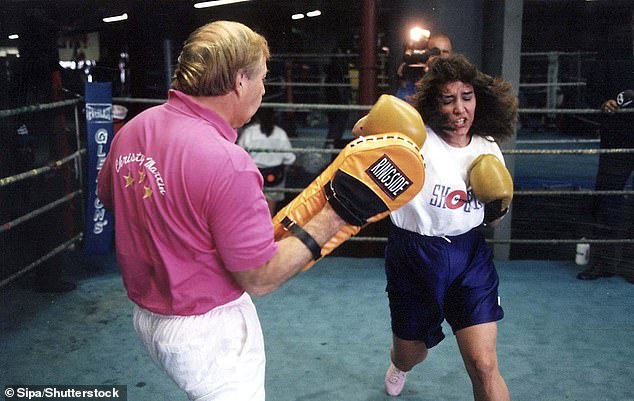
(327, 331)
(314, 154)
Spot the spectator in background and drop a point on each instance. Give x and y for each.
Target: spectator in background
(613, 75)
(264, 133)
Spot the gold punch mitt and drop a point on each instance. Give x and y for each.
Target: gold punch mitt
(391, 114)
(370, 177)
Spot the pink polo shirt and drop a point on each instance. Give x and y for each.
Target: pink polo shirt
(188, 208)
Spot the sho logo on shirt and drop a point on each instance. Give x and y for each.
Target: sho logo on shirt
(391, 179)
(445, 197)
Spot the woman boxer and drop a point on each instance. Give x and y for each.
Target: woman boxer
(438, 265)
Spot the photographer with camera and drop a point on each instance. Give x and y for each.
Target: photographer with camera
(417, 54)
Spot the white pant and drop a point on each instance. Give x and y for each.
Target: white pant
(216, 356)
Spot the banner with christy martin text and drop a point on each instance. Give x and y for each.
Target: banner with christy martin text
(99, 132)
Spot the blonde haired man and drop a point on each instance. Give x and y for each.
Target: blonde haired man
(193, 231)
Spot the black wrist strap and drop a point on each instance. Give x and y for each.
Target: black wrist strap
(302, 235)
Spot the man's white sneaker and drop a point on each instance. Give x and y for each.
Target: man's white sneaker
(394, 380)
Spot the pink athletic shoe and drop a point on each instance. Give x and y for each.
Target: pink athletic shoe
(394, 380)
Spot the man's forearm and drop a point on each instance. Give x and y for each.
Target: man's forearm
(293, 255)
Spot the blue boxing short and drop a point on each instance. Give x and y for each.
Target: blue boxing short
(430, 279)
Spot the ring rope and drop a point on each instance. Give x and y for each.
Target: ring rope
(306, 84)
(525, 241)
(547, 141)
(286, 106)
(309, 140)
(566, 151)
(38, 107)
(353, 107)
(40, 170)
(504, 151)
(571, 111)
(36, 212)
(545, 192)
(43, 259)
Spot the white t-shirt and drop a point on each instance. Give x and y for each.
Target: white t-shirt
(253, 137)
(446, 205)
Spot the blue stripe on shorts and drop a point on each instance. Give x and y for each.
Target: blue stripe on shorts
(430, 279)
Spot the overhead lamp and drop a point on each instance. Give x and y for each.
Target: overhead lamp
(14, 36)
(314, 13)
(215, 3)
(297, 16)
(116, 18)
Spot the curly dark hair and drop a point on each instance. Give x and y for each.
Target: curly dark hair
(496, 104)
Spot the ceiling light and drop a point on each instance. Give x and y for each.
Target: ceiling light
(215, 3)
(14, 36)
(314, 13)
(297, 16)
(116, 18)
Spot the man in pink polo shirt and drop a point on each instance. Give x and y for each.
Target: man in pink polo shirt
(193, 231)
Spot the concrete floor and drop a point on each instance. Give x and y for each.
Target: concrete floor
(327, 336)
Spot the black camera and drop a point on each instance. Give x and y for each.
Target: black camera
(414, 57)
(416, 52)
